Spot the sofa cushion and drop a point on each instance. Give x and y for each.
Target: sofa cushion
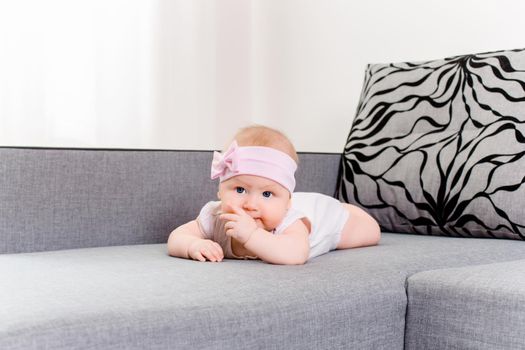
(478, 307)
(137, 297)
(72, 198)
(438, 147)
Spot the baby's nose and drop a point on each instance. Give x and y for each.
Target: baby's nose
(250, 204)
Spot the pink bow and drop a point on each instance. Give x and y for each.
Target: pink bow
(225, 162)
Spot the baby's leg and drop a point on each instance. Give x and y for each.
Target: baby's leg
(360, 229)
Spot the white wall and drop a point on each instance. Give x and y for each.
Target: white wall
(184, 74)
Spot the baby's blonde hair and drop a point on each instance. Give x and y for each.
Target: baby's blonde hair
(259, 135)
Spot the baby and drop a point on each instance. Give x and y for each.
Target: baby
(259, 216)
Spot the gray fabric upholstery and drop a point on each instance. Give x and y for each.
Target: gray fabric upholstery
(137, 297)
(438, 147)
(479, 307)
(131, 295)
(60, 199)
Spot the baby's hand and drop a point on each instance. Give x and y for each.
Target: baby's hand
(203, 249)
(239, 225)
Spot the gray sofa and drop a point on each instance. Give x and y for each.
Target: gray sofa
(83, 265)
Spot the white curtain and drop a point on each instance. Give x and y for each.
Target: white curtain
(187, 73)
(106, 73)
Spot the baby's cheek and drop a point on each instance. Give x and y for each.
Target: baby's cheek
(226, 207)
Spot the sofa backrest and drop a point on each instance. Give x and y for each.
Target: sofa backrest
(54, 199)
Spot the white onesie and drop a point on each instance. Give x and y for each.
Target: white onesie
(327, 217)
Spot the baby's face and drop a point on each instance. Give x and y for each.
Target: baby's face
(263, 199)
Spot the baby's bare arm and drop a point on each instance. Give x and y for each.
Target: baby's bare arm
(290, 248)
(187, 242)
(182, 237)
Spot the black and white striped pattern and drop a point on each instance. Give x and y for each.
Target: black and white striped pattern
(438, 147)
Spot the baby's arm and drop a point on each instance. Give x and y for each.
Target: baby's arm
(187, 242)
(291, 247)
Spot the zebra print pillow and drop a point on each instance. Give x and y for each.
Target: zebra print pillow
(438, 147)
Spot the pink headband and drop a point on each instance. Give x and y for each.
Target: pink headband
(260, 161)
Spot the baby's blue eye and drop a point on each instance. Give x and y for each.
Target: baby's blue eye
(240, 189)
(267, 194)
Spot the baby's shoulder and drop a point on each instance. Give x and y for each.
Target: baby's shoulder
(302, 199)
(212, 207)
(207, 216)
